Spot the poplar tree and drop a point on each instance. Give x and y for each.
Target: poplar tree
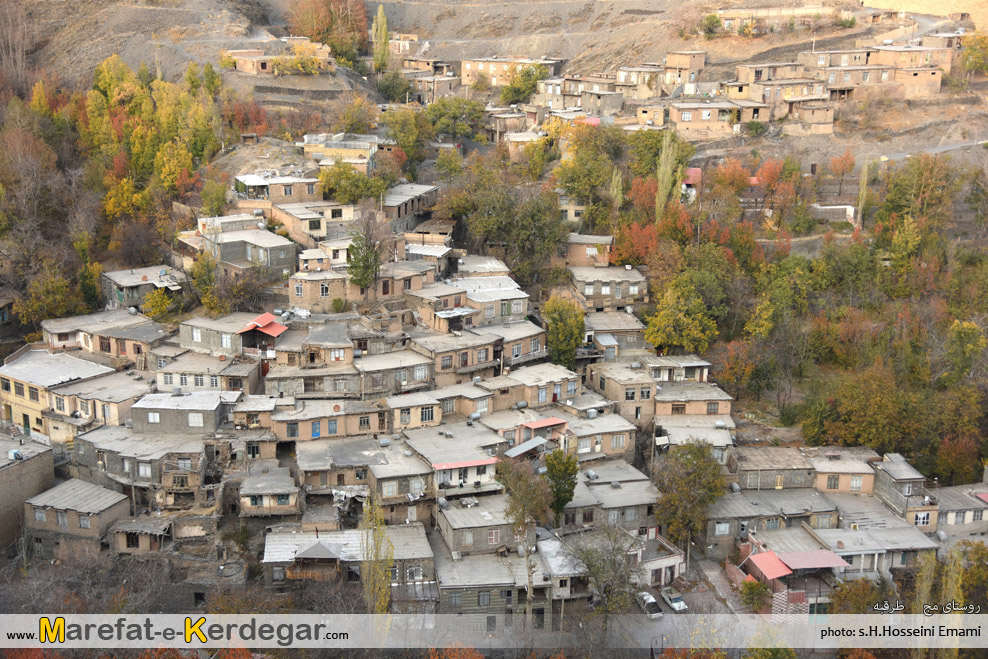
(379, 30)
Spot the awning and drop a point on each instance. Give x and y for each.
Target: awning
(770, 565)
(524, 447)
(983, 496)
(812, 560)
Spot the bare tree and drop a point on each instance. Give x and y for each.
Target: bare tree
(17, 37)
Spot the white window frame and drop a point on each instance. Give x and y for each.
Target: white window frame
(154, 417)
(195, 420)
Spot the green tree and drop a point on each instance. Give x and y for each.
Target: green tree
(456, 116)
(213, 197)
(356, 114)
(681, 320)
(411, 130)
(192, 78)
(369, 243)
(652, 148)
(974, 57)
(689, 480)
(566, 330)
(377, 559)
(523, 84)
(965, 344)
(393, 86)
(344, 184)
(49, 295)
(211, 79)
(755, 595)
(561, 470)
(710, 25)
(379, 35)
(529, 503)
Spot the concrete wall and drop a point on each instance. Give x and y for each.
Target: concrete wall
(20, 481)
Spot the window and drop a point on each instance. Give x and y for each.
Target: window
(832, 78)
(482, 355)
(588, 290)
(420, 373)
(679, 408)
(978, 515)
(686, 116)
(59, 403)
(583, 445)
(197, 335)
(571, 387)
(225, 340)
(922, 519)
(605, 289)
(331, 426)
(484, 598)
(865, 76)
(493, 536)
(144, 470)
(632, 290)
(310, 188)
(39, 515)
(324, 290)
(298, 289)
(337, 354)
(256, 500)
(629, 393)
(390, 489)
(542, 394)
(5, 384)
(183, 379)
(167, 378)
(516, 350)
(646, 393)
(283, 499)
(823, 522)
(535, 344)
(722, 528)
(446, 362)
(464, 359)
(195, 419)
(706, 114)
(713, 408)
(19, 389)
(214, 382)
(62, 518)
(482, 405)
(405, 416)
(416, 486)
(413, 572)
(456, 599)
(772, 524)
(154, 417)
(364, 422)
(104, 344)
(489, 311)
(856, 483)
(833, 482)
(614, 517)
(84, 522)
(292, 429)
(516, 307)
(316, 429)
(287, 190)
(32, 393)
(449, 405)
(427, 413)
(199, 380)
(847, 77)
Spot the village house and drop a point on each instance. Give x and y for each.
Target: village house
(770, 468)
(127, 288)
(106, 399)
(268, 490)
(460, 401)
(639, 83)
(872, 553)
(430, 64)
(704, 120)
(429, 89)
(310, 419)
(238, 244)
(535, 386)
(734, 516)
(393, 373)
(616, 331)
(438, 256)
(608, 288)
(331, 380)
(402, 45)
(319, 344)
(27, 378)
(962, 512)
(843, 470)
(117, 333)
(329, 254)
(403, 484)
(632, 388)
(199, 413)
(584, 251)
(337, 470)
(461, 456)
(358, 151)
(460, 357)
(159, 471)
(192, 371)
(71, 520)
(571, 208)
(266, 188)
(774, 19)
(406, 203)
(142, 535)
(521, 342)
(682, 66)
(416, 410)
(311, 223)
(318, 290)
(498, 71)
(27, 468)
(903, 489)
(216, 336)
(594, 436)
(477, 525)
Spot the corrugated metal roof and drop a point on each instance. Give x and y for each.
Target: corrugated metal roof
(79, 496)
(812, 560)
(770, 565)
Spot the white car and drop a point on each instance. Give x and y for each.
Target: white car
(672, 597)
(649, 605)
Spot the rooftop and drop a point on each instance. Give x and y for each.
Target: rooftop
(110, 388)
(752, 458)
(769, 503)
(407, 540)
(607, 273)
(28, 449)
(192, 400)
(266, 477)
(127, 443)
(612, 321)
(45, 369)
(79, 496)
(159, 276)
(488, 511)
(93, 322)
(322, 454)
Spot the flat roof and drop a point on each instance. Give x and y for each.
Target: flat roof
(28, 449)
(123, 440)
(408, 542)
(474, 263)
(111, 388)
(770, 457)
(190, 400)
(79, 496)
(688, 390)
(605, 273)
(451, 446)
(612, 321)
(159, 276)
(389, 360)
(488, 511)
(322, 454)
(769, 503)
(93, 322)
(44, 369)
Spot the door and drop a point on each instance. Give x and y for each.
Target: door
(26, 422)
(413, 513)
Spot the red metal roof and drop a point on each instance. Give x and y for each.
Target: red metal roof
(693, 176)
(544, 423)
(265, 323)
(983, 496)
(812, 560)
(769, 564)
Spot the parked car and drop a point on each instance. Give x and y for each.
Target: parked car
(649, 605)
(672, 597)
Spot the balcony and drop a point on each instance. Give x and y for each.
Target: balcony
(263, 353)
(473, 368)
(527, 357)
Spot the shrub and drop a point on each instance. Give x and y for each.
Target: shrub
(710, 25)
(227, 62)
(339, 305)
(756, 128)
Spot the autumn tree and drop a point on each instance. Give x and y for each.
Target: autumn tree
(681, 320)
(561, 471)
(529, 503)
(456, 116)
(379, 34)
(344, 184)
(354, 113)
(565, 332)
(689, 480)
(411, 130)
(342, 24)
(523, 83)
(840, 167)
(156, 304)
(974, 57)
(394, 86)
(859, 596)
(377, 559)
(755, 595)
(49, 295)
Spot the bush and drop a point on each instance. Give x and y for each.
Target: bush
(847, 23)
(755, 595)
(756, 128)
(710, 25)
(227, 62)
(339, 305)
